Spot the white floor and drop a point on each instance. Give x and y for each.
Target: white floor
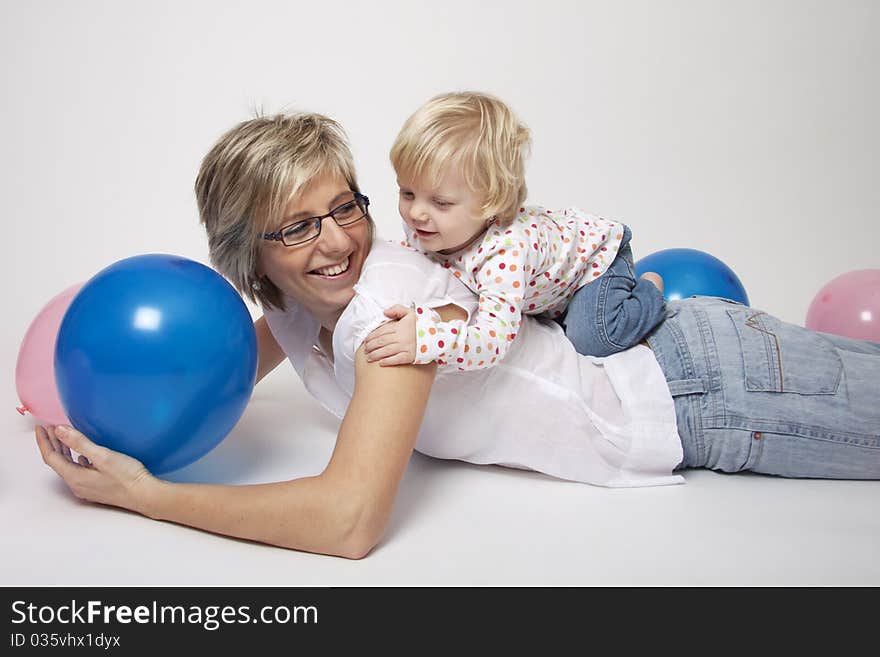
(454, 523)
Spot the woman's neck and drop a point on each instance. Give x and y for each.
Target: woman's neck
(325, 342)
(328, 322)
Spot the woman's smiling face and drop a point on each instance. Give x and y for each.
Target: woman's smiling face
(320, 274)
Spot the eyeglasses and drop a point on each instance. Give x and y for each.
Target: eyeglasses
(306, 230)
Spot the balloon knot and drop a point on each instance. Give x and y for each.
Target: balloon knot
(22, 409)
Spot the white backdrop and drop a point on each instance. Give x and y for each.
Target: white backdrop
(746, 129)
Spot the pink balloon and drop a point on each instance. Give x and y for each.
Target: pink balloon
(848, 305)
(35, 369)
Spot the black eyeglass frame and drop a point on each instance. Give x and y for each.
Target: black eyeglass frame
(360, 199)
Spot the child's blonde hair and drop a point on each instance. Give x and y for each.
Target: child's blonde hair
(476, 132)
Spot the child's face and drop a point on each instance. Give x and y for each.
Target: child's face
(445, 218)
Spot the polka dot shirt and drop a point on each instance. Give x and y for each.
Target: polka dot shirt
(532, 266)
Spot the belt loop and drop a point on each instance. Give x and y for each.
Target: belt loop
(686, 387)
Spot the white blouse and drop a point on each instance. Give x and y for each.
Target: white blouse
(544, 407)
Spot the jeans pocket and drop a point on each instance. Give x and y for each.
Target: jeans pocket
(783, 357)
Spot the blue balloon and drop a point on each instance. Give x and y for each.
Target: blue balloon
(689, 272)
(156, 357)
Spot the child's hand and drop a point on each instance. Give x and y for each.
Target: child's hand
(393, 343)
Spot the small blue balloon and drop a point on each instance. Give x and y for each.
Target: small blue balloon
(156, 357)
(689, 272)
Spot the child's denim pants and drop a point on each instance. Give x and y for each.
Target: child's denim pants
(615, 311)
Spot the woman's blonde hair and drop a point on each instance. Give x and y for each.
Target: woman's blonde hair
(248, 178)
(476, 132)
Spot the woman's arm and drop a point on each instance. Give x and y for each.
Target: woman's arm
(343, 511)
(269, 353)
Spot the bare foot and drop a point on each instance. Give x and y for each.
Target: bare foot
(654, 278)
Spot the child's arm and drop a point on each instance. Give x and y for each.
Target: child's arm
(419, 336)
(393, 343)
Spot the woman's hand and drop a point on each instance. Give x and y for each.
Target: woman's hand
(99, 474)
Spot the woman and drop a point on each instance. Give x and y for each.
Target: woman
(721, 386)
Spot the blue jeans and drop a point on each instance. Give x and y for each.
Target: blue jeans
(755, 393)
(615, 311)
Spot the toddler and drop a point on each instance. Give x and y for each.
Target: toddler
(460, 170)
